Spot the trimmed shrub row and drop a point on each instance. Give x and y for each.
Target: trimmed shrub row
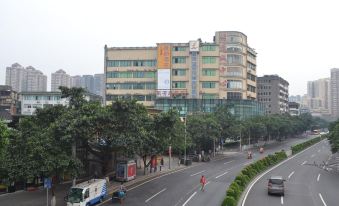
(247, 174)
(299, 147)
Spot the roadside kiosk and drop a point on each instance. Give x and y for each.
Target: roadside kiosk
(126, 170)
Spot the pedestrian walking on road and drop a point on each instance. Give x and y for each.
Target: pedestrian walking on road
(203, 182)
(53, 199)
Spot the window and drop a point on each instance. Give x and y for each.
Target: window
(234, 59)
(234, 49)
(234, 84)
(251, 77)
(129, 63)
(234, 71)
(86, 195)
(179, 60)
(250, 88)
(209, 60)
(179, 48)
(178, 84)
(209, 72)
(251, 55)
(208, 84)
(130, 74)
(179, 72)
(131, 86)
(234, 95)
(233, 39)
(209, 96)
(251, 66)
(209, 48)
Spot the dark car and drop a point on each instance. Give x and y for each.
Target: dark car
(276, 185)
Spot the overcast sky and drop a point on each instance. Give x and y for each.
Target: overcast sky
(296, 39)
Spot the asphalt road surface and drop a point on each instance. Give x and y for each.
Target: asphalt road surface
(307, 182)
(182, 187)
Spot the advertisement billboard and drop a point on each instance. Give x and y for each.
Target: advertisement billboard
(164, 56)
(164, 83)
(194, 46)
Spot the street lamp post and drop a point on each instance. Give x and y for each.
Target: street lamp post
(213, 147)
(185, 138)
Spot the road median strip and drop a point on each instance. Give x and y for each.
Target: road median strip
(240, 183)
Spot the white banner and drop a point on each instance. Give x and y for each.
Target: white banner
(164, 83)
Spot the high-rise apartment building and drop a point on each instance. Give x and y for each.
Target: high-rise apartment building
(273, 91)
(36, 80)
(29, 79)
(60, 78)
(99, 84)
(16, 77)
(334, 91)
(222, 69)
(76, 81)
(318, 95)
(87, 82)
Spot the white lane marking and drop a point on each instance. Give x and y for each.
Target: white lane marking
(207, 183)
(166, 174)
(152, 179)
(221, 175)
(318, 177)
(247, 163)
(228, 162)
(312, 155)
(304, 163)
(282, 200)
(321, 197)
(189, 198)
(155, 195)
(198, 173)
(289, 176)
(269, 170)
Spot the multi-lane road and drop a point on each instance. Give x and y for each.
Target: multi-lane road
(182, 187)
(307, 181)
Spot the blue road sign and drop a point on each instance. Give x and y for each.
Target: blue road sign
(47, 183)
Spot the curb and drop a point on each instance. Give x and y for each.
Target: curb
(144, 180)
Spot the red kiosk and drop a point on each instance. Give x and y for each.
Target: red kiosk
(126, 170)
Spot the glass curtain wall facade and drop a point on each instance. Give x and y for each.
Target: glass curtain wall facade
(241, 109)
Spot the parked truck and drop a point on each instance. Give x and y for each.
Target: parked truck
(87, 193)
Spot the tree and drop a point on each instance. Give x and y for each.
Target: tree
(4, 141)
(226, 121)
(203, 130)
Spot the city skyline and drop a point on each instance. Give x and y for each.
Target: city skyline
(38, 34)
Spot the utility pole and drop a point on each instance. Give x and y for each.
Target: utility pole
(213, 147)
(170, 156)
(74, 156)
(249, 138)
(240, 142)
(185, 138)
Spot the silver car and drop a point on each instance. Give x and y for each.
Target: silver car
(276, 185)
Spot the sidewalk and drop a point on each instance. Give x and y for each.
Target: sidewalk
(140, 177)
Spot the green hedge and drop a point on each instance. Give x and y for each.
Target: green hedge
(299, 147)
(241, 181)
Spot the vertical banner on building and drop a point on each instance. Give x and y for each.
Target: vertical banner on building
(164, 60)
(194, 49)
(164, 83)
(164, 56)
